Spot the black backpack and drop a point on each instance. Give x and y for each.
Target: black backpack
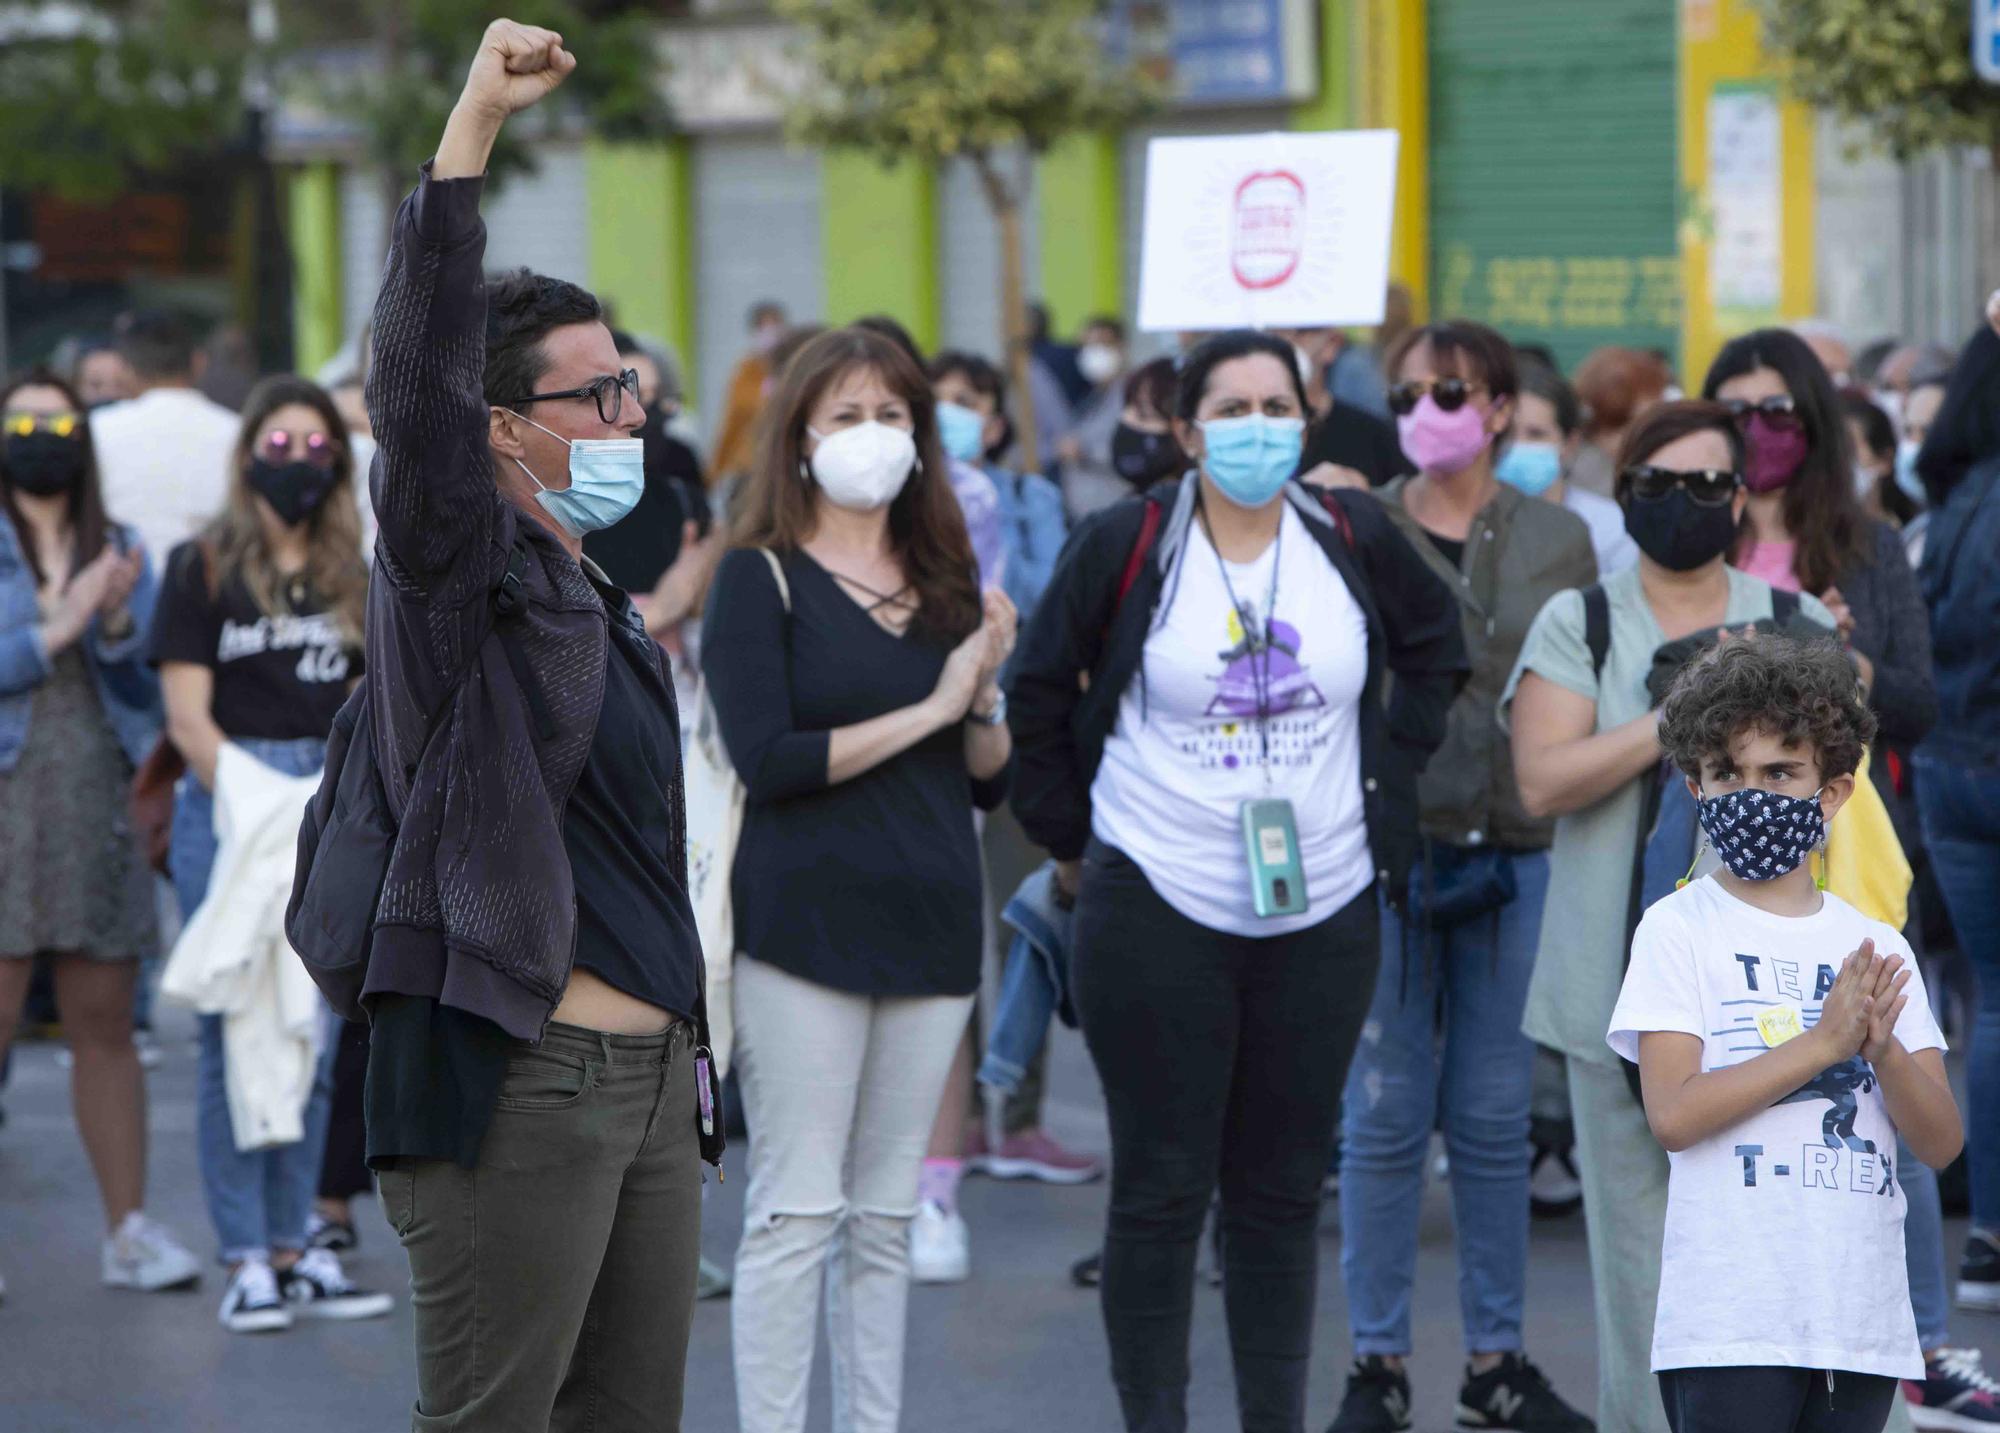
(349, 828)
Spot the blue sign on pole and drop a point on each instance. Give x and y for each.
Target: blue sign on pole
(1986, 40)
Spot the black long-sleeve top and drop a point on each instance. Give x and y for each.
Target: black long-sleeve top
(870, 885)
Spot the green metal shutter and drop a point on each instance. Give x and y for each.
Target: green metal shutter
(1553, 170)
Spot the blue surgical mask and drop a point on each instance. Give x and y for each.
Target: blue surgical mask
(962, 431)
(1531, 467)
(1906, 470)
(606, 478)
(1250, 459)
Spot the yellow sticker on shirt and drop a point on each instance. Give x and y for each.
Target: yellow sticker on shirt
(1779, 1023)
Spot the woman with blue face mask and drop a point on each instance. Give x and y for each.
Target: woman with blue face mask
(1465, 937)
(1210, 745)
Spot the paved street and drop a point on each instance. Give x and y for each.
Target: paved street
(1016, 1348)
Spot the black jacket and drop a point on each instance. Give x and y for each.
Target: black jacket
(1081, 630)
(1960, 464)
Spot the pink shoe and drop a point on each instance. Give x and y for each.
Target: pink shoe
(1033, 1155)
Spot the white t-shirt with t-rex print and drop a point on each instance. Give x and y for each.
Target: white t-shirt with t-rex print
(1784, 1242)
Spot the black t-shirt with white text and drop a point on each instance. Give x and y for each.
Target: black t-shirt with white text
(278, 676)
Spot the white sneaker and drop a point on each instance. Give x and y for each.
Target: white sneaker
(143, 1255)
(940, 1245)
(318, 1288)
(252, 1303)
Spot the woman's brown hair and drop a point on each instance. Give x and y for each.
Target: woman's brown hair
(1666, 423)
(234, 542)
(88, 523)
(1617, 384)
(779, 506)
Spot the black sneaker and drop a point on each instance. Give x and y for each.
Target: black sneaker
(1087, 1272)
(337, 1235)
(1377, 1399)
(1515, 1396)
(1955, 1396)
(318, 1288)
(1979, 1272)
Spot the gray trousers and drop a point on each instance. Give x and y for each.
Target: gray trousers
(553, 1283)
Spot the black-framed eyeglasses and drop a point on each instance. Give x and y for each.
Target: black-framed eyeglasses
(1706, 487)
(610, 392)
(1448, 393)
(1779, 409)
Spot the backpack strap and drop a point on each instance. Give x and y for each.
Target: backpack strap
(1784, 606)
(1335, 511)
(1149, 532)
(778, 576)
(1597, 626)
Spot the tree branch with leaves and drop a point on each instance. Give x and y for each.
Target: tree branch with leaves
(980, 80)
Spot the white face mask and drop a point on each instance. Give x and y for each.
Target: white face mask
(863, 467)
(1098, 362)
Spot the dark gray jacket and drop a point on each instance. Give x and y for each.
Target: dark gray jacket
(1892, 629)
(1519, 552)
(478, 910)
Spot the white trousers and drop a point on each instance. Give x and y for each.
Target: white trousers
(840, 1091)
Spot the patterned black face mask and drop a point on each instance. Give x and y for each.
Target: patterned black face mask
(1761, 835)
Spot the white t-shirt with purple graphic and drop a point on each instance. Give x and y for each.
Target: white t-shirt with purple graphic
(1784, 1238)
(1188, 751)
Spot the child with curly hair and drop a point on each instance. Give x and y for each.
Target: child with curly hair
(1783, 1043)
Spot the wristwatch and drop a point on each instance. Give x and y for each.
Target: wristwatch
(996, 717)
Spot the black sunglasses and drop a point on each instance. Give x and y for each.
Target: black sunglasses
(1779, 409)
(609, 391)
(1706, 487)
(1448, 393)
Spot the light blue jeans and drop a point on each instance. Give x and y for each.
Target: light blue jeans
(1474, 1068)
(260, 1199)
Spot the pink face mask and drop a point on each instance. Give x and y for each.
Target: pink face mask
(1441, 442)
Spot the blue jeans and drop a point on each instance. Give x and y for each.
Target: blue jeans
(1923, 1248)
(1961, 813)
(258, 1199)
(1479, 1076)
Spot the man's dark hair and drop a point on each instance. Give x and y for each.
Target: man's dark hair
(889, 328)
(1803, 693)
(765, 309)
(1546, 383)
(522, 309)
(1109, 322)
(157, 343)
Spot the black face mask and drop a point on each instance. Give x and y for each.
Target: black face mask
(1679, 533)
(1143, 458)
(294, 490)
(43, 464)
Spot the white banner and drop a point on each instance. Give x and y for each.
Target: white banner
(1267, 230)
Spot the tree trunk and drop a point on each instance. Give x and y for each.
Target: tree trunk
(1006, 207)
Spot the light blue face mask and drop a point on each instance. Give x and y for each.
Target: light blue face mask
(1906, 471)
(962, 431)
(1531, 467)
(606, 478)
(1250, 459)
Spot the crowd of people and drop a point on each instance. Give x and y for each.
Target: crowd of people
(1360, 741)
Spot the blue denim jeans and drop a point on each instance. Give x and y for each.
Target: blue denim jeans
(1961, 813)
(259, 1199)
(1474, 1068)
(1923, 1249)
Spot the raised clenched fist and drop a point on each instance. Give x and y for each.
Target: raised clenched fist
(516, 66)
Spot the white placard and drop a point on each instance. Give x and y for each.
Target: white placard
(1267, 230)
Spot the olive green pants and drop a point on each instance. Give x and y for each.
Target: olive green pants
(553, 1283)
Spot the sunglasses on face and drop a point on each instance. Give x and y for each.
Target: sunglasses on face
(1706, 487)
(62, 425)
(610, 391)
(1448, 393)
(1779, 410)
(280, 446)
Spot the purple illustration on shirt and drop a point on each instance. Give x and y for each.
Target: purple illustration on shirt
(1249, 667)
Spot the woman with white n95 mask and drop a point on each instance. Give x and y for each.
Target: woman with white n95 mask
(853, 666)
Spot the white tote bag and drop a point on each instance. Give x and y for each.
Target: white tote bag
(714, 824)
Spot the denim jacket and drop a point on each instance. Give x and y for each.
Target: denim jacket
(1036, 983)
(1032, 530)
(126, 685)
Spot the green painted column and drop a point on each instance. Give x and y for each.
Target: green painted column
(641, 199)
(1080, 202)
(1333, 106)
(313, 203)
(879, 241)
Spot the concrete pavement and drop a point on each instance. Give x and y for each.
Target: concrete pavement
(1016, 1348)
